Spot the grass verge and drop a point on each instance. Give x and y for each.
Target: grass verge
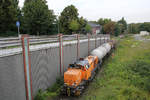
(51, 92)
(126, 76)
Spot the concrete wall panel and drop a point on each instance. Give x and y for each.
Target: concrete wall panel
(12, 83)
(70, 55)
(45, 68)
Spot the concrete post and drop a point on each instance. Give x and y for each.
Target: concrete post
(104, 38)
(27, 66)
(60, 36)
(78, 46)
(88, 44)
(107, 38)
(100, 39)
(95, 41)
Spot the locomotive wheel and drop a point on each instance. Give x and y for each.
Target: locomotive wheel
(87, 83)
(78, 92)
(68, 92)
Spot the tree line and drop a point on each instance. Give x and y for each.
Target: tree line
(121, 27)
(37, 19)
(137, 27)
(113, 27)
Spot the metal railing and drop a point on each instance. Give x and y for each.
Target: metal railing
(10, 46)
(16, 42)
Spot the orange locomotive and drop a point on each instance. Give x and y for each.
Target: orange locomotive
(79, 74)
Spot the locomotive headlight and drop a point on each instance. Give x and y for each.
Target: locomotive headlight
(74, 84)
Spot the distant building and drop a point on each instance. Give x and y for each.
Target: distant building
(96, 28)
(143, 33)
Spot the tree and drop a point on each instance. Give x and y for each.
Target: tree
(67, 15)
(27, 1)
(95, 22)
(74, 26)
(123, 24)
(137, 27)
(37, 18)
(145, 27)
(117, 29)
(82, 24)
(8, 17)
(104, 21)
(101, 21)
(88, 28)
(133, 28)
(109, 28)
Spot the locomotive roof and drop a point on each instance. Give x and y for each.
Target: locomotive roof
(83, 62)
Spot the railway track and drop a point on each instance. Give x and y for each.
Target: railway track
(14, 41)
(13, 46)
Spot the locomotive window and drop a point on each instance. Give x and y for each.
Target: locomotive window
(86, 66)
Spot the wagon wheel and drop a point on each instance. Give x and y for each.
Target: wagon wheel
(78, 92)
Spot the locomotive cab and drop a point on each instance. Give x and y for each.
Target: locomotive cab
(78, 74)
(74, 77)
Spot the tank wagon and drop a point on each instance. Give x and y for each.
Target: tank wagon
(79, 74)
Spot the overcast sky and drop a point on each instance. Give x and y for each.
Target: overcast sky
(131, 10)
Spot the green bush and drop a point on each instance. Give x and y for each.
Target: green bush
(8, 33)
(40, 95)
(53, 91)
(56, 87)
(141, 73)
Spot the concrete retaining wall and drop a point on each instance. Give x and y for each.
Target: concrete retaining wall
(12, 83)
(44, 69)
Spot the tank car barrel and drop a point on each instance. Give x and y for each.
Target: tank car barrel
(102, 50)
